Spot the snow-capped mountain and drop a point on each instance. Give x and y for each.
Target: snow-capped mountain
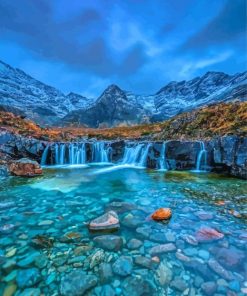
(22, 94)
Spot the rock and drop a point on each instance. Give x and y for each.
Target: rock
(160, 249)
(120, 206)
(107, 222)
(235, 286)
(30, 292)
(96, 258)
(28, 277)
(105, 272)
(202, 215)
(190, 252)
(10, 290)
(7, 228)
(45, 222)
(209, 288)
(207, 234)
(82, 249)
(178, 284)
(70, 237)
(76, 283)
(163, 274)
(42, 242)
(190, 240)
(134, 244)
(25, 168)
(199, 268)
(162, 214)
(132, 221)
(137, 286)
(109, 242)
(123, 266)
(203, 254)
(217, 268)
(144, 262)
(229, 257)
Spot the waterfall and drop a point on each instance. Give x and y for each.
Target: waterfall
(136, 155)
(62, 154)
(162, 160)
(56, 154)
(201, 158)
(132, 154)
(143, 160)
(100, 152)
(44, 155)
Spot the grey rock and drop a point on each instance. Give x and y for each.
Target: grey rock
(144, 262)
(105, 272)
(209, 288)
(134, 244)
(107, 222)
(178, 284)
(123, 266)
(219, 269)
(109, 242)
(160, 249)
(137, 286)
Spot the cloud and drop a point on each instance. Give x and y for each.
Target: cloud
(229, 24)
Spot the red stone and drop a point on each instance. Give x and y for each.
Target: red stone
(162, 214)
(207, 234)
(25, 168)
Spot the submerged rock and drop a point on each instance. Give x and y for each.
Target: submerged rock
(109, 242)
(25, 168)
(76, 283)
(164, 248)
(42, 241)
(207, 234)
(134, 244)
(123, 266)
(162, 214)
(107, 222)
(137, 286)
(28, 277)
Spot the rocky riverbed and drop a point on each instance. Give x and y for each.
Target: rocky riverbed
(51, 242)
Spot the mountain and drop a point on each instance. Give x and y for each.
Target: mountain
(26, 96)
(114, 107)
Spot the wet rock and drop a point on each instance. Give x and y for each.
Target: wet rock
(178, 284)
(199, 268)
(96, 258)
(11, 253)
(7, 228)
(123, 266)
(217, 268)
(144, 262)
(229, 257)
(71, 237)
(28, 277)
(144, 231)
(82, 249)
(107, 222)
(42, 242)
(137, 286)
(105, 272)
(109, 242)
(30, 292)
(202, 215)
(235, 286)
(203, 254)
(163, 274)
(209, 288)
(25, 168)
(46, 223)
(120, 206)
(134, 244)
(10, 290)
(190, 252)
(190, 240)
(207, 234)
(132, 221)
(162, 214)
(180, 256)
(76, 283)
(158, 237)
(160, 249)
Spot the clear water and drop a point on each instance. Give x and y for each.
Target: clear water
(65, 199)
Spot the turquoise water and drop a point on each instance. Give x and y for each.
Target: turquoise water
(55, 209)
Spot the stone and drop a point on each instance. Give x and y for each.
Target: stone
(137, 286)
(134, 244)
(199, 268)
(132, 221)
(7, 228)
(207, 234)
(96, 258)
(158, 237)
(28, 277)
(45, 222)
(163, 274)
(204, 254)
(107, 222)
(229, 257)
(11, 276)
(10, 290)
(42, 242)
(76, 283)
(82, 249)
(202, 215)
(180, 256)
(123, 266)
(11, 253)
(209, 288)
(121, 207)
(25, 167)
(164, 248)
(178, 284)
(190, 240)
(144, 262)
(30, 292)
(190, 252)
(70, 237)
(235, 286)
(162, 214)
(109, 242)
(105, 272)
(217, 268)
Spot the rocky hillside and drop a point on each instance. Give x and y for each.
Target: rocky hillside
(26, 96)
(207, 122)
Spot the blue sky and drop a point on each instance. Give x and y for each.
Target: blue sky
(140, 45)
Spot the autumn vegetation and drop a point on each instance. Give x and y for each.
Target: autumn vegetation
(215, 120)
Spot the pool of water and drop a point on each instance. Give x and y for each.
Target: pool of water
(47, 249)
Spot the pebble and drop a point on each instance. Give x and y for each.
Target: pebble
(123, 266)
(109, 242)
(204, 254)
(11, 253)
(45, 222)
(10, 290)
(160, 249)
(134, 244)
(209, 288)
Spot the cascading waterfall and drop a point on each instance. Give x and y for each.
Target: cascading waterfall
(143, 160)
(162, 160)
(136, 155)
(100, 152)
(44, 155)
(201, 158)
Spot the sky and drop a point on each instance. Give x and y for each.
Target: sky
(140, 45)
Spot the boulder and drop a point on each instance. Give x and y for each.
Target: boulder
(25, 167)
(107, 222)
(109, 242)
(123, 266)
(162, 214)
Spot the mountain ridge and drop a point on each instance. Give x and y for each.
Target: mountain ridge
(24, 95)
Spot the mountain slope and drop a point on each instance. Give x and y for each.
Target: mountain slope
(22, 94)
